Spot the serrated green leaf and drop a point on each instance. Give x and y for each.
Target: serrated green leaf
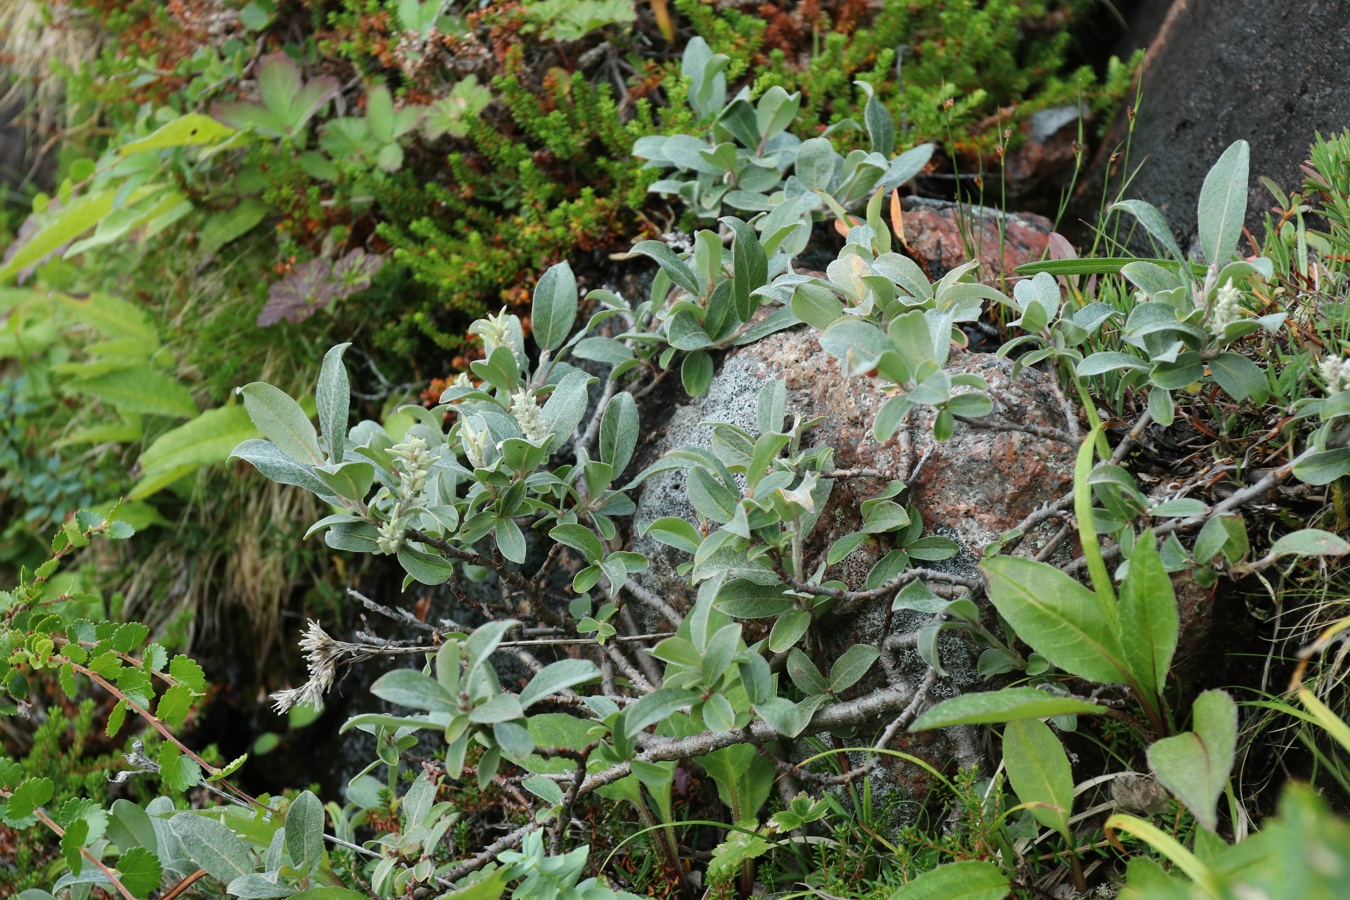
(174, 705)
(185, 670)
(140, 871)
(28, 796)
(179, 771)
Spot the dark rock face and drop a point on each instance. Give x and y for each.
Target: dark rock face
(1218, 71)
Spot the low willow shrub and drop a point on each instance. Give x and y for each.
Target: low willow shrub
(522, 477)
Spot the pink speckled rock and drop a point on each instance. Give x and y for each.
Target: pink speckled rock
(977, 484)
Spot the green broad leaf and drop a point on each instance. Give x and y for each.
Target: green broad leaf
(675, 532)
(744, 599)
(174, 705)
(783, 716)
(212, 846)
(581, 538)
(1153, 222)
(657, 706)
(27, 797)
(333, 400)
(603, 350)
(696, 373)
(965, 880)
(566, 407)
(556, 677)
(329, 893)
(556, 730)
(844, 546)
(425, 568)
(514, 740)
(484, 640)
(1059, 618)
(788, 629)
(851, 666)
(140, 871)
(1195, 765)
(1110, 361)
(281, 467)
(1239, 376)
(130, 827)
(711, 497)
(1323, 467)
(74, 218)
(510, 540)
(189, 130)
(410, 688)
(1039, 772)
(1308, 542)
(138, 389)
(257, 886)
(1183, 506)
(185, 670)
(880, 125)
(304, 833)
(114, 319)
(1007, 705)
(178, 770)
(804, 674)
(1223, 203)
(817, 164)
(223, 227)
(545, 789)
(674, 267)
(491, 886)
(501, 708)
(619, 432)
(1149, 622)
(349, 480)
(283, 422)
(750, 267)
(380, 113)
(554, 310)
(203, 440)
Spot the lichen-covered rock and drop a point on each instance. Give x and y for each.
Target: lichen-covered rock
(971, 487)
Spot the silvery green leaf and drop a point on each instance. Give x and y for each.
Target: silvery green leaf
(282, 421)
(281, 467)
(556, 677)
(880, 125)
(1148, 215)
(566, 407)
(775, 112)
(906, 166)
(333, 399)
(304, 833)
(674, 267)
(554, 308)
(818, 165)
(619, 431)
(1223, 203)
(213, 846)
